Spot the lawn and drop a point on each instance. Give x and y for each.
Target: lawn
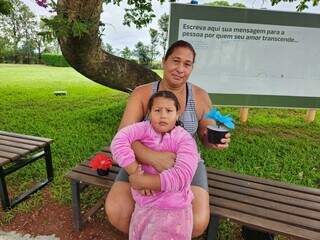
(275, 143)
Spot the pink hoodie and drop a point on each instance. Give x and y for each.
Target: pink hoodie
(175, 182)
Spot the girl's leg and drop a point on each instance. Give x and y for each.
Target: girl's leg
(149, 223)
(119, 206)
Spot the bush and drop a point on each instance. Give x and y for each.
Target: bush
(55, 60)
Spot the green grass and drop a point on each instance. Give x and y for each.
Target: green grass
(275, 143)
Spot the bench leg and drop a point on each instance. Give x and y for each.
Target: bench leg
(48, 158)
(5, 201)
(76, 208)
(213, 227)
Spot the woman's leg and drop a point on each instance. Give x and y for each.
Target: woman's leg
(119, 206)
(201, 210)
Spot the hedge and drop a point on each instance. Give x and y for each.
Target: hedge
(56, 60)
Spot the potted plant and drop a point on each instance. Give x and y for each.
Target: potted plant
(101, 163)
(224, 123)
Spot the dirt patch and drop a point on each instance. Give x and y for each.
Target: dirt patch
(54, 218)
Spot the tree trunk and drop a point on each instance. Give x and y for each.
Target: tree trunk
(86, 55)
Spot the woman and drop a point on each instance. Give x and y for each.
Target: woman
(194, 102)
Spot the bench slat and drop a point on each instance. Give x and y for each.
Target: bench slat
(288, 186)
(4, 161)
(262, 195)
(19, 145)
(13, 150)
(267, 188)
(266, 224)
(83, 169)
(93, 180)
(20, 140)
(16, 135)
(267, 213)
(266, 203)
(11, 156)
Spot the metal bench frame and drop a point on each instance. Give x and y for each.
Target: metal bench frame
(20, 162)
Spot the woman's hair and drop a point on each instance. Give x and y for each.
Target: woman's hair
(164, 94)
(177, 44)
(168, 95)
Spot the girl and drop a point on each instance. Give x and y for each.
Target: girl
(167, 212)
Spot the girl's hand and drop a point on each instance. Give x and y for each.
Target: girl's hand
(135, 179)
(146, 192)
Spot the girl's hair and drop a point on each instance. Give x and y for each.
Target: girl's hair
(164, 94)
(177, 44)
(168, 95)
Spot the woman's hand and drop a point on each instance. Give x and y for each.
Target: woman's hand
(159, 160)
(164, 161)
(224, 141)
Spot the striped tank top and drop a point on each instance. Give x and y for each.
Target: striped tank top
(189, 116)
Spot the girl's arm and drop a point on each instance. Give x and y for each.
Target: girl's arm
(121, 145)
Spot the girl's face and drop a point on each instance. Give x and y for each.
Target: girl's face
(178, 66)
(163, 114)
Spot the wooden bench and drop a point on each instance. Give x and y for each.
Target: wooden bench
(263, 204)
(17, 151)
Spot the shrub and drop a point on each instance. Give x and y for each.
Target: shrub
(56, 60)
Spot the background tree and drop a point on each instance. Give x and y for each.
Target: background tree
(142, 53)
(163, 24)
(108, 48)
(77, 26)
(126, 53)
(18, 28)
(154, 40)
(29, 29)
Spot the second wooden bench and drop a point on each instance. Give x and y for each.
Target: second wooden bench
(263, 204)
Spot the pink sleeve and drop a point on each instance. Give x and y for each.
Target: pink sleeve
(180, 175)
(121, 144)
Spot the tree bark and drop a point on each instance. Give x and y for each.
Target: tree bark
(86, 55)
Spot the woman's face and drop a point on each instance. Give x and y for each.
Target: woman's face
(163, 114)
(178, 66)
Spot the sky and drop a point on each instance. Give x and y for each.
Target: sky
(120, 36)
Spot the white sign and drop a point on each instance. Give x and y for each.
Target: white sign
(245, 58)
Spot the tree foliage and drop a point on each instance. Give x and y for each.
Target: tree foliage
(6, 7)
(302, 4)
(163, 24)
(154, 40)
(223, 3)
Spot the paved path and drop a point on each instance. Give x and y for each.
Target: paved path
(17, 236)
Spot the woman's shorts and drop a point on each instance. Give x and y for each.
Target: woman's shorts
(199, 179)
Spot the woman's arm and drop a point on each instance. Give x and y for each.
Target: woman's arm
(179, 176)
(204, 105)
(159, 160)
